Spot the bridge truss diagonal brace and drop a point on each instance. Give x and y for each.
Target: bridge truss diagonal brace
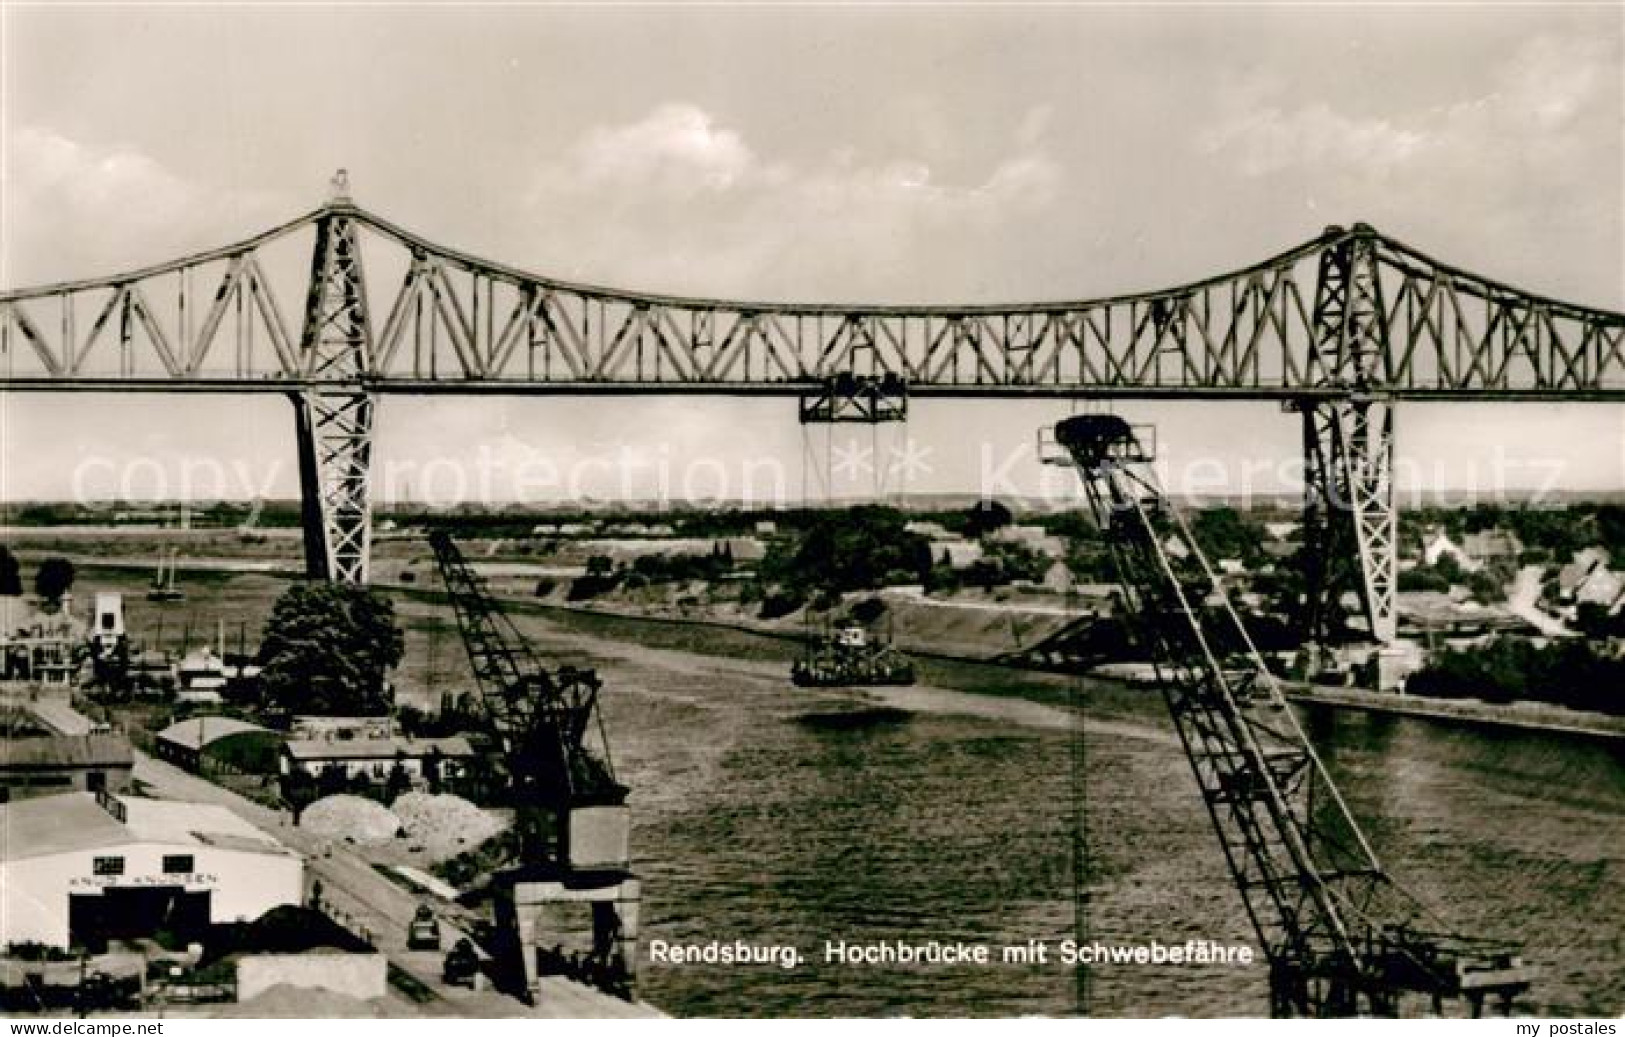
(335, 462)
(1351, 531)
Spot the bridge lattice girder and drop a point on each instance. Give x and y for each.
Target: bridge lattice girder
(1340, 327)
(457, 323)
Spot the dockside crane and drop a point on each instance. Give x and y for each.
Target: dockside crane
(1341, 938)
(552, 762)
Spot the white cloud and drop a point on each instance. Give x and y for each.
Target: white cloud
(1554, 80)
(1271, 139)
(677, 201)
(677, 146)
(72, 210)
(1557, 96)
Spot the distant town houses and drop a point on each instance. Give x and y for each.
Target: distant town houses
(1059, 579)
(956, 554)
(1492, 545)
(741, 549)
(40, 642)
(1577, 570)
(1601, 586)
(1282, 531)
(1589, 579)
(1437, 546)
(564, 529)
(1034, 538)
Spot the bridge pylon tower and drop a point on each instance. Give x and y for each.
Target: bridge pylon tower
(334, 409)
(1350, 522)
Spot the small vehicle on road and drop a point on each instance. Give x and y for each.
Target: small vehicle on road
(462, 964)
(423, 932)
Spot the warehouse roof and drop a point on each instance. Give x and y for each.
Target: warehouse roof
(66, 751)
(59, 715)
(376, 748)
(75, 821)
(200, 731)
(163, 820)
(57, 824)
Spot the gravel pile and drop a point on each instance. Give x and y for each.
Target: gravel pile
(359, 820)
(445, 825)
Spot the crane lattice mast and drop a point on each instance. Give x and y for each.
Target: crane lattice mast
(1341, 938)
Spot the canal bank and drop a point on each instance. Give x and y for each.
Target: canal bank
(1524, 716)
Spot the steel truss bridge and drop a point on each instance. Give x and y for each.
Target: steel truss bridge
(1340, 329)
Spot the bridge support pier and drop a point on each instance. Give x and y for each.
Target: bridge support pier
(335, 460)
(334, 412)
(1350, 526)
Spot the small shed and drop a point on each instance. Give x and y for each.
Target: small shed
(184, 743)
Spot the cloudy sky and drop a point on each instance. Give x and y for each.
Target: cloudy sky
(905, 154)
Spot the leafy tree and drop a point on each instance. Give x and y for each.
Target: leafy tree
(398, 784)
(868, 610)
(1224, 532)
(1487, 586)
(11, 579)
(433, 765)
(54, 578)
(861, 548)
(332, 781)
(1423, 578)
(1594, 620)
(299, 790)
(985, 573)
(780, 604)
(328, 649)
(985, 516)
(1017, 561)
(1568, 673)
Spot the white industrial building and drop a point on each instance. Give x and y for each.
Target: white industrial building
(81, 868)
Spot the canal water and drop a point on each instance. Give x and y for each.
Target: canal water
(779, 815)
(785, 816)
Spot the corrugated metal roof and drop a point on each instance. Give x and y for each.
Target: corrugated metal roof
(200, 731)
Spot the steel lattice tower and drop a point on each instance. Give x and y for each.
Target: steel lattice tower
(334, 414)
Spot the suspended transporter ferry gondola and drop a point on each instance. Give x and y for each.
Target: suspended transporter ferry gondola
(847, 657)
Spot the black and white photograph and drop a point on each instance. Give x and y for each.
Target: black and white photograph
(811, 510)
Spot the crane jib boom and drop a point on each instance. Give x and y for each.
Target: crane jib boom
(542, 719)
(1341, 937)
